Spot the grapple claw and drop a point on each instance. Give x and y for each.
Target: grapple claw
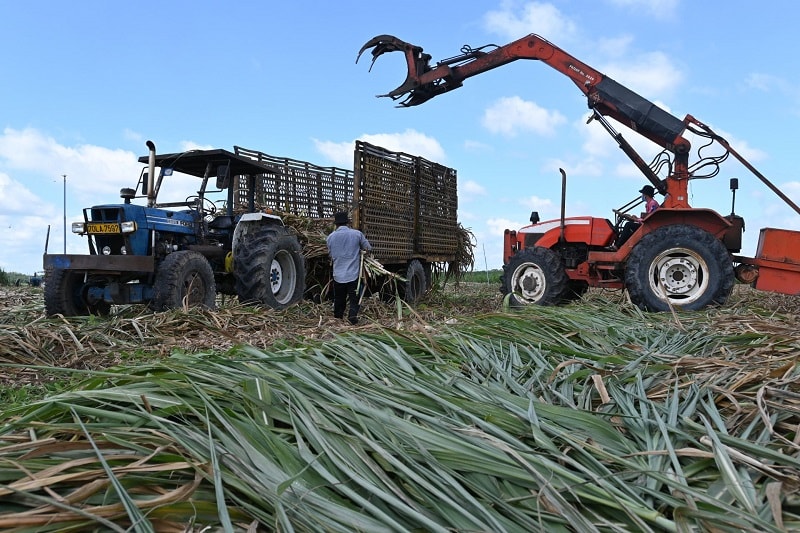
(413, 89)
(382, 44)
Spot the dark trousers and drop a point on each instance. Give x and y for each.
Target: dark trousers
(626, 232)
(342, 292)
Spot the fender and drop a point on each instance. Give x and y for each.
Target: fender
(706, 219)
(248, 221)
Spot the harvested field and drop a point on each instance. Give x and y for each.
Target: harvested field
(92, 343)
(454, 415)
(28, 338)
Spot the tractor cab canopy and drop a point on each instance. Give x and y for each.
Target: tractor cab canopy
(218, 163)
(215, 167)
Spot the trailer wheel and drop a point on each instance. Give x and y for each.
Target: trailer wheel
(679, 265)
(534, 276)
(184, 278)
(269, 268)
(417, 282)
(63, 293)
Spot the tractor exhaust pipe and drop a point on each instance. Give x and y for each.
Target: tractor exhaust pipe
(563, 203)
(151, 171)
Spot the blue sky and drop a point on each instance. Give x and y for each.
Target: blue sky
(86, 83)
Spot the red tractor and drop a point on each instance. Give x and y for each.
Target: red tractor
(677, 256)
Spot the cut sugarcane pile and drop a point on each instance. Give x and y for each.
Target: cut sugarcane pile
(588, 417)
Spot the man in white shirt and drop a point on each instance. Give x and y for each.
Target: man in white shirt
(345, 245)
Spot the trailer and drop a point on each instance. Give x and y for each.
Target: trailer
(405, 205)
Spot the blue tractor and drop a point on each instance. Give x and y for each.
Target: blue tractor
(179, 254)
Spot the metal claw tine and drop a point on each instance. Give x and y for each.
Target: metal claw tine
(382, 44)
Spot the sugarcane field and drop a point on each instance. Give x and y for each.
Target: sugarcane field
(457, 414)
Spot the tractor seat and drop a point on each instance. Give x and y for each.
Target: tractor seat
(222, 222)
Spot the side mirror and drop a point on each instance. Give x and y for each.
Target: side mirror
(223, 177)
(145, 177)
(534, 217)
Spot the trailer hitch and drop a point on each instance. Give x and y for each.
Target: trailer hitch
(422, 82)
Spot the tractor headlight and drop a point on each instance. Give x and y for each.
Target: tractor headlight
(128, 227)
(78, 227)
(123, 251)
(106, 250)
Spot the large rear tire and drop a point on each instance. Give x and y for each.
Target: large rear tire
(63, 290)
(184, 279)
(269, 268)
(534, 276)
(679, 265)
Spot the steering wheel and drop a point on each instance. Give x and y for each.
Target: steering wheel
(626, 216)
(204, 205)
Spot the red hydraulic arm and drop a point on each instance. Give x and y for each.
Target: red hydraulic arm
(605, 97)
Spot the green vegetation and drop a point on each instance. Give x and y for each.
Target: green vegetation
(14, 278)
(451, 416)
(483, 276)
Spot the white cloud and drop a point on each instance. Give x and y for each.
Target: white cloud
(544, 206)
(476, 146)
(191, 145)
(410, 141)
(764, 82)
(657, 8)
(17, 199)
(131, 135)
(647, 74)
(469, 190)
(513, 21)
(510, 115)
(498, 226)
(583, 167)
(340, 154)
(598, 144)
(473, 188)
(91, 170)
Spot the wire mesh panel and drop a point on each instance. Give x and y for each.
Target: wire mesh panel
(296, 187)
(438, 210)
(386, 191)
(405, 205)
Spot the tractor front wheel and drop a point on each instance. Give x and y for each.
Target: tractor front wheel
(184, 279)
(534, 276)
(679, 265)
(63, 290)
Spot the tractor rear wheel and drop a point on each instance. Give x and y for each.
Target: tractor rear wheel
(534, 276)
(63, 290)
(184, 279)
(679, 265)
(269, 268)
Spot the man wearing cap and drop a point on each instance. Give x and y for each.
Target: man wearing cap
(345, 245)
(650, 205)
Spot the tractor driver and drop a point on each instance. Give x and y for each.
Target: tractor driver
(650, 205)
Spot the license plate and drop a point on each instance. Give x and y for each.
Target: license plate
(102, 227)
